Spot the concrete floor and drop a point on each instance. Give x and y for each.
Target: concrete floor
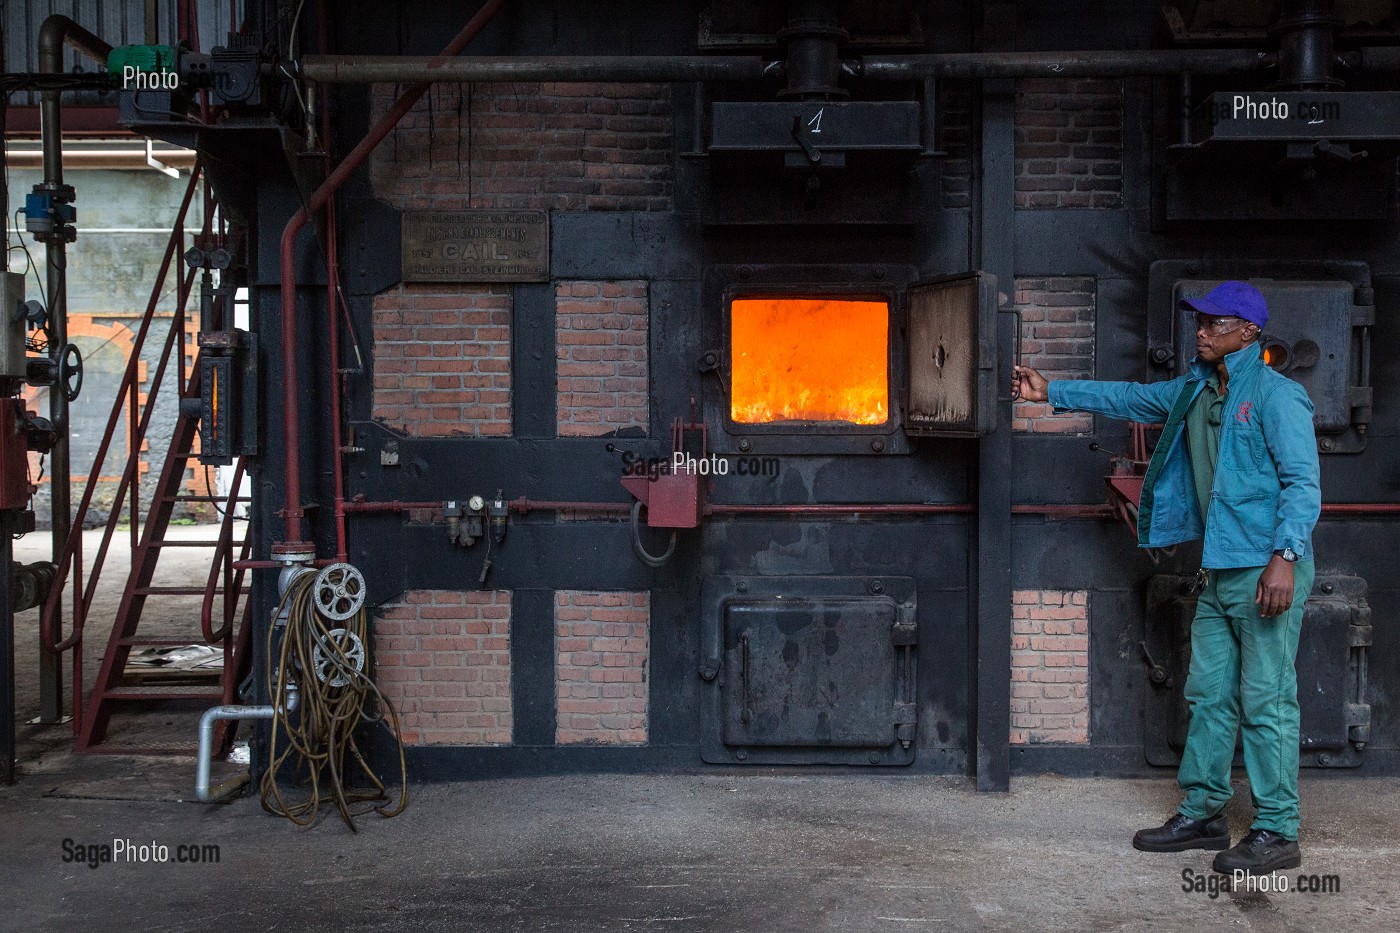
(751, 851)
(745, 850)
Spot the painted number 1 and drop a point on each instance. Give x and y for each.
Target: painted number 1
(816, 122)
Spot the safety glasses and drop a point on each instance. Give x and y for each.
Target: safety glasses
(1218, 326)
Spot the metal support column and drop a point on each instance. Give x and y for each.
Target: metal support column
(7, 618)
(994, 237)
(7, 656)
(56, 32)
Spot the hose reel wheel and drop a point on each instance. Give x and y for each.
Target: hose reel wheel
(339, 592)
(334, 652)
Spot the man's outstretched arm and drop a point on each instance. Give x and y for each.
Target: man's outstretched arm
(1149, 403)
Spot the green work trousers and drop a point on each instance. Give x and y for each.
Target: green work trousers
(1242, 676)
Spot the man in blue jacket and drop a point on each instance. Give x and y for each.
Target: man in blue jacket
(1236, 464)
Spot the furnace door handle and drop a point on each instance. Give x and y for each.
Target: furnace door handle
(1016, 392)
(744, 714)
(804, 139)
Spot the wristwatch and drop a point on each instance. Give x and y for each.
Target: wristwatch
(1288, 554)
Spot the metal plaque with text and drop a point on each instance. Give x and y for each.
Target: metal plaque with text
(476, 246)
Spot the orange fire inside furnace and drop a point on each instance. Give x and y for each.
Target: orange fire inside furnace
(809, 359)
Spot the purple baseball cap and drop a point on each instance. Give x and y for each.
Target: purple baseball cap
(1231, 299)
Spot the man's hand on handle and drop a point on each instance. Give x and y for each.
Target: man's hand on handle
(1034, 387)
(1274, 594)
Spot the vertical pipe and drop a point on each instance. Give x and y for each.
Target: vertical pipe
(53, 35)
(813, 37)
(333, 348)
(7, 616)
(332, 295)
(55, 268)
(7, 655)
(1305, 30)
(291, 430)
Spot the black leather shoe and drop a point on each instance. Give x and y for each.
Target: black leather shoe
(1259, 853)
(1181, 833)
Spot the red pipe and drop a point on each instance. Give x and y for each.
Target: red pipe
(294, 513)
(394, 506)
(874, 508)
(1361, 508)
(523, 505)
(274, 564)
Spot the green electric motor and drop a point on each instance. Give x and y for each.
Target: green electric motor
(140, 58)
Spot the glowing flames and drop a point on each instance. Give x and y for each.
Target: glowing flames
(809, 359)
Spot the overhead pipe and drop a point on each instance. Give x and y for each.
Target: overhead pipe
(394, 69)
(399, 69)
(1098, 64)
(56, 32)
(293, 513)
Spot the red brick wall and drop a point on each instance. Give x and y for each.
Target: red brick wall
(1049, 667)
(442, 360)
(1069, 143)
(1057, 339)
(602, 645)
(442, 657)
(602, 356)
(529, 146)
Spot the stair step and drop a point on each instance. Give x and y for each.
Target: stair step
(165, 642)
(162, 693)
(157, 544)
(174, 591)
(219, 499)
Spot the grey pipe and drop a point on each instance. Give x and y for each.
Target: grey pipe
(56, 32)
(202, 791)
(1104, 64)
(393, 69)
(388, 69)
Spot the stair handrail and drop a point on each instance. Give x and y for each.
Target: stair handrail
(72, 549)
(223, 563)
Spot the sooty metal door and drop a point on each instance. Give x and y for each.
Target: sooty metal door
(808, 670)
(1332, 658)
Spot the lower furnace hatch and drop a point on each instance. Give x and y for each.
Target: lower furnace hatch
(809, 670)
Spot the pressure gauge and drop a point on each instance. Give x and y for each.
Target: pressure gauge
(476, 504)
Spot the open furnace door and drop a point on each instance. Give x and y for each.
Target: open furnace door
(952, 356)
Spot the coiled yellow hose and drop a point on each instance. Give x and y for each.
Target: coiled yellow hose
(311, 742)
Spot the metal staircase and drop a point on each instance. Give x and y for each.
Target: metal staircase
(224, 614)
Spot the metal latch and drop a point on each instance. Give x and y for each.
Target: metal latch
(1155, 672)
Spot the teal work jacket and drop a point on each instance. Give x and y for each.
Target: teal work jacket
(1267, 495)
